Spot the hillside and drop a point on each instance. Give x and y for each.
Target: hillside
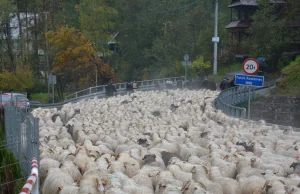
(289, 83)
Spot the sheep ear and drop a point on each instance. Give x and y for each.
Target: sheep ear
(97, 182)
(193, 169)
(226, 157)
(60, 165)
(203, 186)
(206, 169)
(253, 160)
(59, 189)
(78, 182)
(282, 182)
(104, 182)
(117, 156)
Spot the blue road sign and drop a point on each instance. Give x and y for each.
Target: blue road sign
(249, 80)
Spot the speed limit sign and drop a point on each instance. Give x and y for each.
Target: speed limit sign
(250, 66)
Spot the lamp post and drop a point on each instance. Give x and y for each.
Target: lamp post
(216, 39)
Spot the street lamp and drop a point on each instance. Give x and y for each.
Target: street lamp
(215, 39)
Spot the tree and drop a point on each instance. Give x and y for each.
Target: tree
(200, 67)
(96, 20)
(6, 8)
(266, 35)
(21, 81)
(75, 60)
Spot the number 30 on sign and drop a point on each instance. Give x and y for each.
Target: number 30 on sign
(250, 66)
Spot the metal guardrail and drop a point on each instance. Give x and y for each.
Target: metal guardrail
(121, 87)
(236, 95)
(99, 92)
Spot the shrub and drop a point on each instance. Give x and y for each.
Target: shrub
(11, 176)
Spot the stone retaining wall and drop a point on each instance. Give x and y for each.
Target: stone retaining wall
(277, 110)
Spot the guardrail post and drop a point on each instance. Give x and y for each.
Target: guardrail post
(90, 90)
(76, 94)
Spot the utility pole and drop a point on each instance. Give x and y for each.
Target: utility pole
(2, 46)
(96, 69)
(216, 39)
(46, 52)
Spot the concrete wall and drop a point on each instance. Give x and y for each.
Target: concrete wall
(277, 110)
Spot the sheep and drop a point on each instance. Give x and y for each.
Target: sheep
(200, 171)
(70, 168)
(277, 169)
(167, 156)
(165, 186)
(93, 181)
(124, 148)
(229, 185)
(45, 165)
(275, 187)
(178, 174)
(55, 179)
(191, 187)
(68, 189)
(143, 180)
(245, 170)
(150, 159)
(228, 169)
(253, 184)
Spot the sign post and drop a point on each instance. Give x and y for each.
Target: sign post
(250, 68)
(186, 62)
(52, 80)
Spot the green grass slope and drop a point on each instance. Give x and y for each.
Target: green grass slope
(289, 84)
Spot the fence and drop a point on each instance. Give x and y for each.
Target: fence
(236, 95)
(99, 91)
(231, 96)
(18, 145)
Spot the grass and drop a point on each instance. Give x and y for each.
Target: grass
(41, 97)
(223, 71)
(45, 98)
(289, 85)
(245, 103)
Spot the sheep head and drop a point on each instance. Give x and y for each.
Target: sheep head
(253, 160)
(265, 188)
(99, 184)
(294, 164)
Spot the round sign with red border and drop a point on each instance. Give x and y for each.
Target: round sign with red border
(250, 66)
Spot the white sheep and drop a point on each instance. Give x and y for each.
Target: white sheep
(56, 179)
(72, 170)
(229, 185)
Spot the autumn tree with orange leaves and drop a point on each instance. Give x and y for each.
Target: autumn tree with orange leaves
(76, 60)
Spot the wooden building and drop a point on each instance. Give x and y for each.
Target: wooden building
(241, 13)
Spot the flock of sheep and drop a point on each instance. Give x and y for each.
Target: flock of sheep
(163, 142)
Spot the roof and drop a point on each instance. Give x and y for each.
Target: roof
(235, 3)
(239, 24)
